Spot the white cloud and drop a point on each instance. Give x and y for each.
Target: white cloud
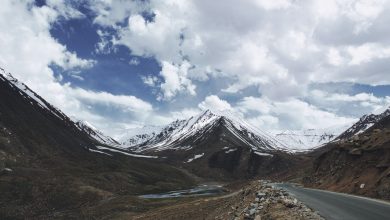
(251, 103)
(128, 103)
(184, 113)
(364, 12)
(273, 4)
(65, 9)
(175, 80)
(78, 77)
(134, 61)
(254, 43)
(112, 12)
(214, 103)
(150, 80)
(291, 114)
(334, 57)
(353, 98)
(362, 102)
(265, 122)
(70, 61)
(367, 52)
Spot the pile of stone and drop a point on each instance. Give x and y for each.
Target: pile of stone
(268, 197)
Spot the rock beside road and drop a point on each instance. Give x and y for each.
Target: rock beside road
(273, 203)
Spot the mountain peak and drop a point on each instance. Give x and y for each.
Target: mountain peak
(184, 134)
(206, 113)
(209, 113)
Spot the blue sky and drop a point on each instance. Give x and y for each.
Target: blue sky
(125, 64)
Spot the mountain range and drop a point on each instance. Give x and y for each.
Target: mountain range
(54, 166)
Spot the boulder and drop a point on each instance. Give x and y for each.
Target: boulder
(355, 151)
(260, 195)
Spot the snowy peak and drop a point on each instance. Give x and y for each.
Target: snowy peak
(312, 138)
(363, 124)
(139, 135)
(95, 133)
(185, 134)
(301, 140)
(169, 136)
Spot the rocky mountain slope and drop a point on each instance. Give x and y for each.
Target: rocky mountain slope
(50, 168)
(358, 161)
(363, 124)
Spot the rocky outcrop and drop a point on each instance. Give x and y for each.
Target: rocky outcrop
(273, 203)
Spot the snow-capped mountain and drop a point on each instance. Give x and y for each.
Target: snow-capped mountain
(363, 124)
(309, 138)
(214, 144)
(37, 100)
(184, 134)
(312, 138)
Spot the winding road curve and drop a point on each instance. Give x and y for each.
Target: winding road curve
(335, 206)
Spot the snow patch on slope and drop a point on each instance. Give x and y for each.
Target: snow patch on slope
(100, 152)
(230, 150)
(197, 156)
(263, 154)
(125, 153)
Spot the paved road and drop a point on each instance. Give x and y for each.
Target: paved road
(336, 206)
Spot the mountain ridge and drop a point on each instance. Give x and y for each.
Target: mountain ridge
(36, 99)
(364, 123)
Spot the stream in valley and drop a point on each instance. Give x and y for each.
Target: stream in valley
(201, 190)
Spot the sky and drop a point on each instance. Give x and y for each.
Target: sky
(280, 64)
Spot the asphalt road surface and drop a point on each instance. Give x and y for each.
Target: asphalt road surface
(331, 205)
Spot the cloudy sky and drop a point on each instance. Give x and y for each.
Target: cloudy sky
(281, 64)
